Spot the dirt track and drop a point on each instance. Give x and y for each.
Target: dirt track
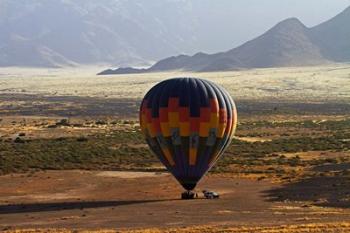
(92, 200)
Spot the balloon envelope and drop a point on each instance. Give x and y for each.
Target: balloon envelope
(188, 123)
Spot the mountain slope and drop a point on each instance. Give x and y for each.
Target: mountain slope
(63, 30)
(116, 32)
(286, 44)
(289, 43)
(113, 32)
(333, 37)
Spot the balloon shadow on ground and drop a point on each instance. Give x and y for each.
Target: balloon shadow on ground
(323, 190)
(59, 206)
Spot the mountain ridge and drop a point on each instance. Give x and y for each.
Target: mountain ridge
(111, 32)
(288, 43)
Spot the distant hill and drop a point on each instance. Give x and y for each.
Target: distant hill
(128, 70)
(69, 32)
(289, 43)
(54, 33)
(333, 37)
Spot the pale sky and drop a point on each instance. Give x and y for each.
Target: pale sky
(311, 12)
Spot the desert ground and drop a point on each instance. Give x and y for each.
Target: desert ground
(72, 157)
(136, 200)
(311, 84)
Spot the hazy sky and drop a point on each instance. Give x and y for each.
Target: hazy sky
(311, 12)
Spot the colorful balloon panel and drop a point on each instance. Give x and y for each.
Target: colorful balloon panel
(188, 123)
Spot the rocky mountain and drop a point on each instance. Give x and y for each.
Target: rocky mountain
(67, 32)
(333, 37)
(53, 33)
(289, 43)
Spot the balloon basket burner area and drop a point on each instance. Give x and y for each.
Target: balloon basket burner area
(188, 195)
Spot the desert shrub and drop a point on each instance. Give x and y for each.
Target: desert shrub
(101, 122)
(63, 122)
(93, 152)
(82, 139)
(18, 140)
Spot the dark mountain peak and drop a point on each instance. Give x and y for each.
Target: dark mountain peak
(288, 25)
(126, 70)
(291, 21)
(200, 54)
(171, 63)
(180, 56)
(346, 11)
(339, 21)
(332, 37)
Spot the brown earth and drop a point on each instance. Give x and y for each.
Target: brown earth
(94, 200)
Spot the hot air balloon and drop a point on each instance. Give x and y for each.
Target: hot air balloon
(188, 123)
